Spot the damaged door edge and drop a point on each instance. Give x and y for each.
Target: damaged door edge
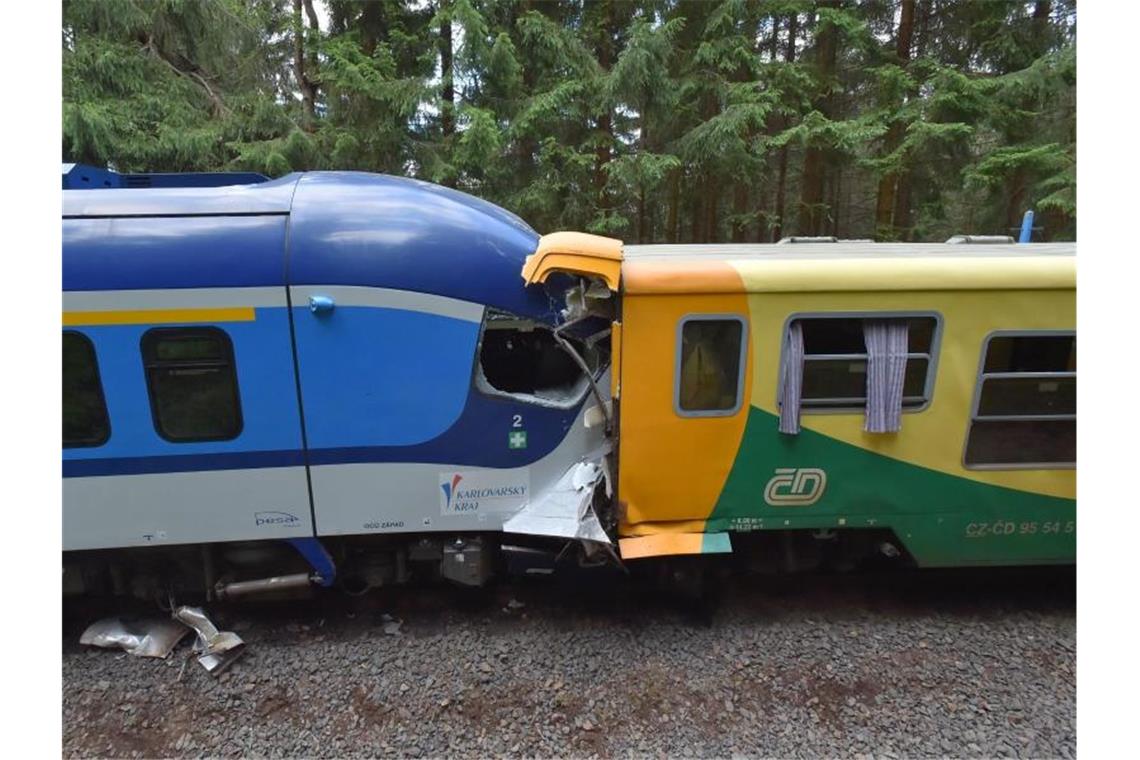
(569, 349)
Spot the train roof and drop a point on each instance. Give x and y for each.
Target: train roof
(338, 228)
(846, 266)
(843, 249)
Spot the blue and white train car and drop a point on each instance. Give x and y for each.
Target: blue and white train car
(321, 356)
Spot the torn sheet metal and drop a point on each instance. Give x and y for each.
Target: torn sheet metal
(566, 510)
(218, 649)
(142, 638)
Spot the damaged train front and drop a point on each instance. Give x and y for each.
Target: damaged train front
(582, 272)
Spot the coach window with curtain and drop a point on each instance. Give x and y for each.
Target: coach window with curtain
(878, 364)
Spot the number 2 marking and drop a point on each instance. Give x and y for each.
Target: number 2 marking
(517, 421)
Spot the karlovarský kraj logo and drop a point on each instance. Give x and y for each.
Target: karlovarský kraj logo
(483, 491)
(449, 488)
(795, 487)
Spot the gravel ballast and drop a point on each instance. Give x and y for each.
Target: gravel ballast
(907, 665)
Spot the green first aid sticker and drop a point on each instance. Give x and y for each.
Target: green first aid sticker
(516, 439)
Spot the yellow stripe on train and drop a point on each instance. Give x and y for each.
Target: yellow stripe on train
(158, 316)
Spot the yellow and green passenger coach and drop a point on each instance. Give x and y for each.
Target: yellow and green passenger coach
(920, 397)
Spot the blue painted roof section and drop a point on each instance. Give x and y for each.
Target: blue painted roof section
(83, 177)
(344, 228)
(273, 197)
(141, 253)
(350, 228)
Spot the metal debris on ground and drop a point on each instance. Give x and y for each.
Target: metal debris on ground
(391, 625)
(217, 649)
(143, 638)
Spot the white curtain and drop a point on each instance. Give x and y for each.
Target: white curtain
(886, 341)
(792, 374)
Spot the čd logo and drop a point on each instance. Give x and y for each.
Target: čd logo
(795, 487)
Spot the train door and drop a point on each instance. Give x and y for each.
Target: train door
(383, 375)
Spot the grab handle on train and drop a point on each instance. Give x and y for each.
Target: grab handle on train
(321, 304)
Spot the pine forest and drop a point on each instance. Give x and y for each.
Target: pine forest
(648, 120)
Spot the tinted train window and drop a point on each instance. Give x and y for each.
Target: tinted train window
(835, 362)
(192, 382)
(85, 421)
(710, 366)
(1025, 408)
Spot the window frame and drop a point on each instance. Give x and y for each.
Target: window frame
(709, 317)
(228, 358)
(856, 407)
(484, 386)
(976, 399)
(102, 395)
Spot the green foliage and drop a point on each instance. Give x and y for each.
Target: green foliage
(691, 120)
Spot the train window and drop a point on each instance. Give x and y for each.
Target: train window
(85, 420)
(710, 366)
(192, 383)
(835, 361)
(1025, 403)
(520, 358)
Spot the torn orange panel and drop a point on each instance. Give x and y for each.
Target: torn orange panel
(663, 544)
(575, 253)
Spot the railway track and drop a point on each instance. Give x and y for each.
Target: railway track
(962, 663)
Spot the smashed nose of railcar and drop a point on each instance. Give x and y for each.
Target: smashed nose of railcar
(580, 504)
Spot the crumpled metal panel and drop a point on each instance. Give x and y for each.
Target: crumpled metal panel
(218, 648)
(142, 638)
(566, 510)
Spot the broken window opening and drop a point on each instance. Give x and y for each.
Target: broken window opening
(521, 358)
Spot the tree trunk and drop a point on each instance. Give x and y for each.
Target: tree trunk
(672, 219)
(781, 195)
(711, 232)
(311, 68)
(836, 182)
(901, 222)
(812, 213)
(888, 184)
(642, 221)
(526, 146)
(739, 209)
(812, 208)
(373, 26)
(1016, 195)
(602, 153)
(1042, 9)
(308, 91)
(925, 12)
(782, 172)
(446, 73)
(698, 215)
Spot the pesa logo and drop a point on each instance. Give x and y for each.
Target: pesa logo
(274, 518)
